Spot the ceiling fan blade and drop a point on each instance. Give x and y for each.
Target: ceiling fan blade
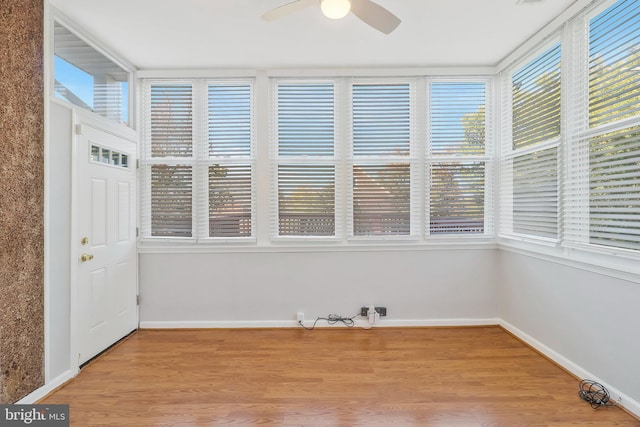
(287, 9)
(375, 15)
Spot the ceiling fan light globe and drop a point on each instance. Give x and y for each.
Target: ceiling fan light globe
(335, 9)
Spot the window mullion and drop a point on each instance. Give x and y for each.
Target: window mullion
(201, 161)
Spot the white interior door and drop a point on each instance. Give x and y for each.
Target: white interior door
(105, 246)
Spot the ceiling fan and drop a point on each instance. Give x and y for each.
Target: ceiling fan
(371, 13)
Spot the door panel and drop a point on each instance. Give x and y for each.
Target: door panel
(98, 212)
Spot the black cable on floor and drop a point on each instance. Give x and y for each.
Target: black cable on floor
(332, 319)
(594, 393)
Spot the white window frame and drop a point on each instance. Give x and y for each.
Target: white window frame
(573, 246)
(265, 157)
(413, 160)
(576, 236)
(508, 154)
(199, 162)
(487, 159)
(276, 160)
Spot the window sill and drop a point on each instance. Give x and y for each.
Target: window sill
(625, 267)
(148, 246)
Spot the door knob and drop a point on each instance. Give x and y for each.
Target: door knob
(86, 257)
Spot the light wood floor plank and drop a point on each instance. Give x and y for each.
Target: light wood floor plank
(328, 377)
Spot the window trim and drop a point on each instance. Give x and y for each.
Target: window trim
(264, 169)
(575, 57)
(199, 161)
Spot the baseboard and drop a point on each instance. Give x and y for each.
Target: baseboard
(383, 323)
(627, 403)
(43, 391)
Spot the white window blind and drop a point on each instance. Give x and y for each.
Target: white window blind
(458, 118)
(169, 132)
(197, 160)
(171, 120)
(614, 63)
(614, 188)
(457, 197)
(306, 176)
(171, 200)
(230, 168)
(382, 159)
(457, 129)
(530, 195)
(536, 100)
(603, 186)
(535, 193)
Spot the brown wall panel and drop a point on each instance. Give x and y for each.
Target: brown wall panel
(21, 198)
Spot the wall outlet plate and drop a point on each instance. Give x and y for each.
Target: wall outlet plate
(364, 311)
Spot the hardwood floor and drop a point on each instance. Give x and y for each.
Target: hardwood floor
(328, 377)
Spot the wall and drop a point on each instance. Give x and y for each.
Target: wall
(588, 320)
(22, 198)
(268, 288)
(59, 236)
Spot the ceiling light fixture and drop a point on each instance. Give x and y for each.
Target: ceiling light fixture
(335, 9)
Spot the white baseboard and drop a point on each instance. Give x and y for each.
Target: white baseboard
(621, 399)
(383, 323)
(41, 392)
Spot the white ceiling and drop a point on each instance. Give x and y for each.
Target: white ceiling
(187, 34)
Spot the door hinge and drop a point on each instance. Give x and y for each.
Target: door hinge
(137, 163)
(78, 129)
(137, 231)
(138, 299)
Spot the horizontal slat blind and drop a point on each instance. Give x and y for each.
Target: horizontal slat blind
(171, 200)
(614, 189)
(306, 200)
(230, 171)
(230, 201)
(381, 184)
(457, 127)
(381, 120)
(381, 200)
(457, 118)
(536, 100)
(170, 120)
(229, 120)
(529, 201)
(457, 198)
(614, 63)
(602, 195)
(305, 120)
(306, 165)
(535, 193)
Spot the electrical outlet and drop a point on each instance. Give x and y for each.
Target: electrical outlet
(364, 311)
(300, 317)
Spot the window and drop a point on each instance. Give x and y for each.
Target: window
(306, 170)
(457, 157)
(533, 98)
(382, 159)
(603, 192)
(348, 161)
(197, 162)
(86, 78)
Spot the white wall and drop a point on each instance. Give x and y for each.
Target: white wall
(59, 245)
(590, 319)
(268, 288)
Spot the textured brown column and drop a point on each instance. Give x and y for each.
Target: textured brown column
(21, 198)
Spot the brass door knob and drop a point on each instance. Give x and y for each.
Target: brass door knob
(86, 257)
